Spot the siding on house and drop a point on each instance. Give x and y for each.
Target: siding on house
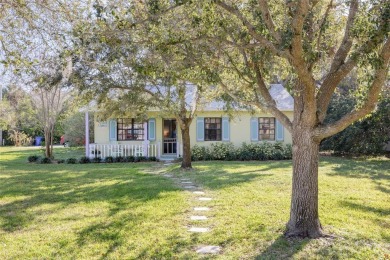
(239, 129)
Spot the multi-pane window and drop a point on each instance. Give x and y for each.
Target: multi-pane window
(267, 128)
(130, 129)
(212, 129)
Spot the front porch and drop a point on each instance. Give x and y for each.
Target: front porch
(172, 149)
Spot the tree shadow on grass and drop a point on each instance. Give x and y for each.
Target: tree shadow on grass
(368, 209)
(283, 248)
(219, 175)
(60, 190)
(378, 171)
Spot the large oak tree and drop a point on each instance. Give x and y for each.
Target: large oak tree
(315, 44)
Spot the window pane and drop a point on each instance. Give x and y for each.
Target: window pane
(267, 128)
(213, 131)
(128, 129)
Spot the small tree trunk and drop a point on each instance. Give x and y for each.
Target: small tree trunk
(51, 142)
(185, 132)
(304, 220)
(47, 144)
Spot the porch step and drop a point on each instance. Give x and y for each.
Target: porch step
(167, 158)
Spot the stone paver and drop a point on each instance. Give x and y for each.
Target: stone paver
(199, 192)
(208, 250)
(199, 229)
(186, 182)
(190, 187)
(201, 209)
(205, 199)
(168, 175)
(198, 217)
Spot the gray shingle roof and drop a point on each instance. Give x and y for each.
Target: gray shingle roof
(284, 101)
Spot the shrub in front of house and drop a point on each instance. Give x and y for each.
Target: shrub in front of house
(60, 161)
(247, 152)
(45, 160)
(129, 158)
(71, 161)
(109, 159)
(222, 151)
(200, 153)
(140, 159)
(84, 159)
(96, 160)
(120, 159)
(33, 158)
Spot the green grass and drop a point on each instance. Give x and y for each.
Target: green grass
(130, 211)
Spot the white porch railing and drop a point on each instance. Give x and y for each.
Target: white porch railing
(116, 150)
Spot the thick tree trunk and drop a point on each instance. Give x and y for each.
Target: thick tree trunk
(185, 133)
(304, 220)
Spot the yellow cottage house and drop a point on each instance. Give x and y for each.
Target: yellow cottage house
(160, 136)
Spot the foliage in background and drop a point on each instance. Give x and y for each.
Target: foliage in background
(247, 152)
(367, 136)
(20, 120)
(19, 138)
(18, 117)
(74, 129)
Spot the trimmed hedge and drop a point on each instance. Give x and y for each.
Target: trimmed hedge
(109, 159)
(71, 161)
(84, 160)
(33, 158)
(45, 160)
(247, 152)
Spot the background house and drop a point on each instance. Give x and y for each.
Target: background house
(160, 135)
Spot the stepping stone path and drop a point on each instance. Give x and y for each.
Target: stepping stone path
(167, 164)
(199, 192)
(208, 250)
(190, 187)
(198, 217)
(203, 249)
(201, 209)
(187, 184)
(205, 199)
(198, 229)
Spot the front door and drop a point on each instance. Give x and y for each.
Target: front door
(169, 136)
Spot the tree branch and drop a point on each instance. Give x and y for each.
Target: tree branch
(318, 42)
(252, 30)
(370, 103)
(337, 72)
(265, 14)
(297, 53)
(270, 104)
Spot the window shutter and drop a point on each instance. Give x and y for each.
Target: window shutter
(254, 129)
(200, 129)
(225, 129)
(152, 129)
(279, 131)
(112, 130)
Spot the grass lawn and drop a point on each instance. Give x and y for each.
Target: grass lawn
(131, 211)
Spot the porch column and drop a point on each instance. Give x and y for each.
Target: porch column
(146, 141)
(87, 134)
